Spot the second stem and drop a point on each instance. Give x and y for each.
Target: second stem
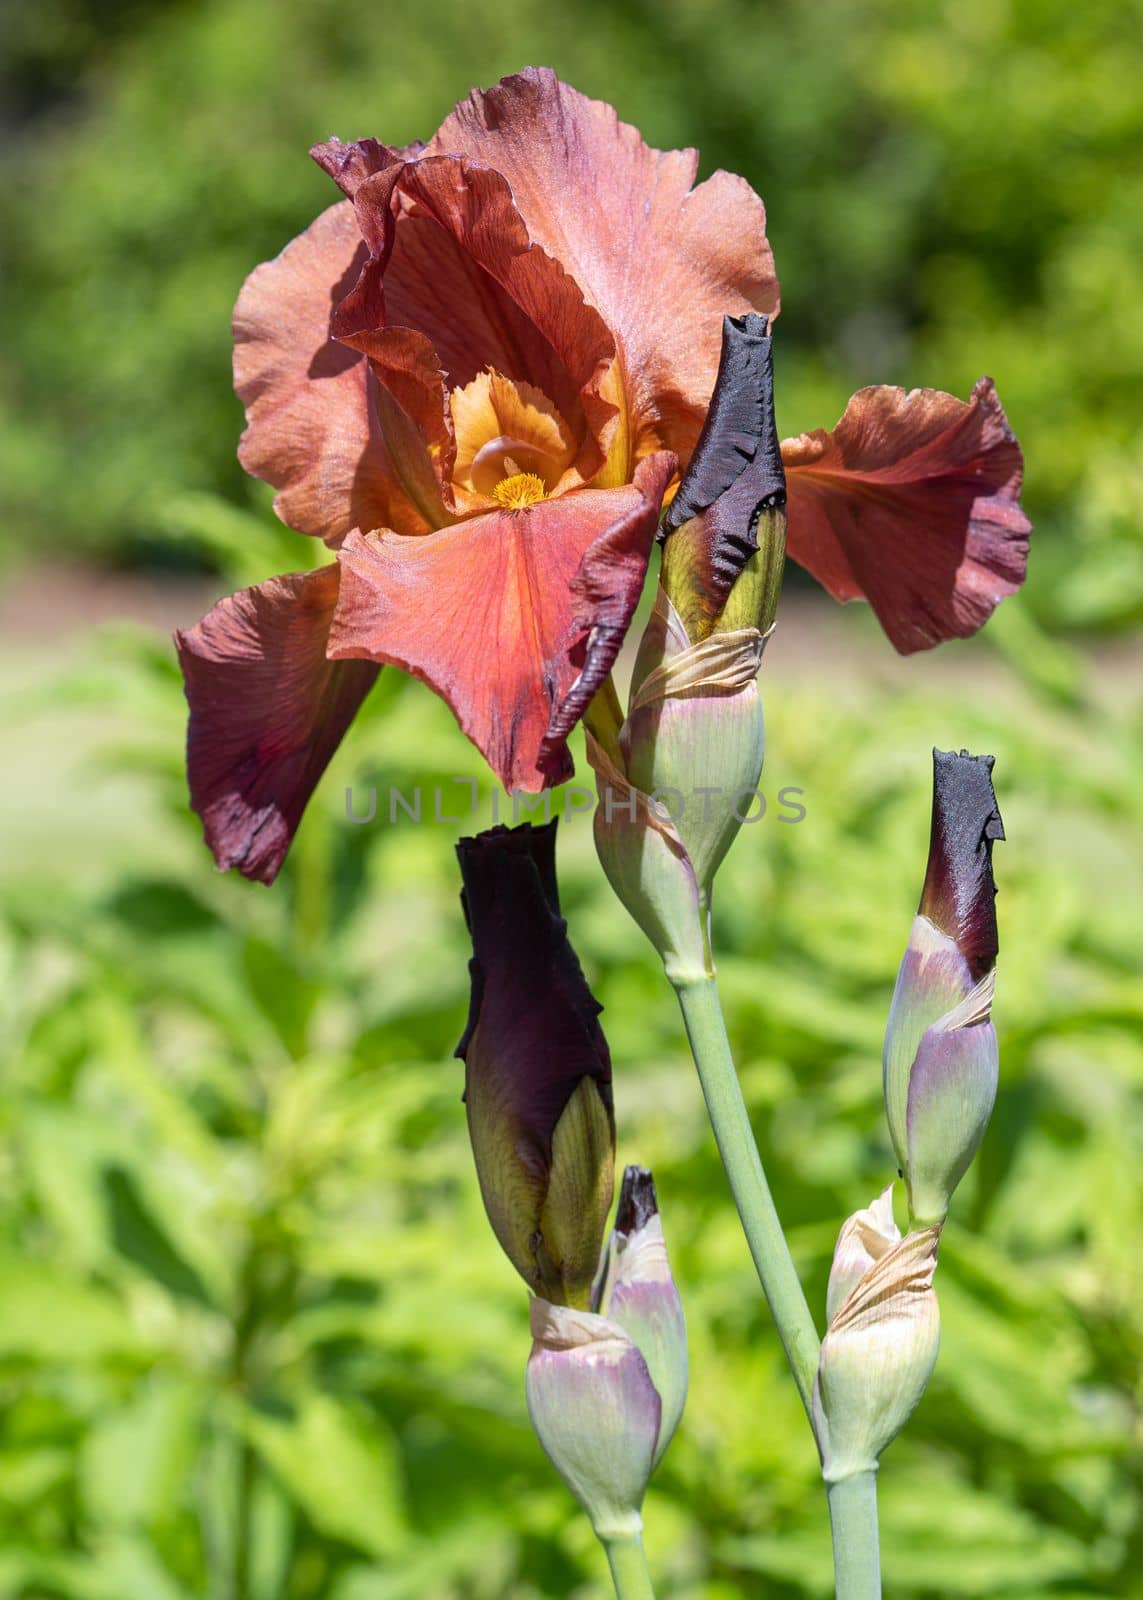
(628, 1566)
(706, 1030)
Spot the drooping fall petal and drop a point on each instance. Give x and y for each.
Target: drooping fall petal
(912, 503)
(537, 1068)
(267, 711)
(313, 427)
(662, 262)
(510, 617)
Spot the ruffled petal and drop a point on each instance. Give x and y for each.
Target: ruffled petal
(313, 428)
(267, 712)
(912, 503)
(510, 616)
(663, 262)
(451, 262)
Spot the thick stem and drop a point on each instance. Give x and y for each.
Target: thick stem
(628, 1564)
(856, 1554)
(730, 1120)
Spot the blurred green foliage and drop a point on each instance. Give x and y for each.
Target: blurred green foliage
(953, 188)
(256, 1340)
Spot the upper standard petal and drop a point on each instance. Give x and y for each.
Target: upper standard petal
(662, 261)
(451, 261)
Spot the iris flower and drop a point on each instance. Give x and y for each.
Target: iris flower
(476, 378)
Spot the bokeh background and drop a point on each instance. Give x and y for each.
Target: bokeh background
(256, 1342)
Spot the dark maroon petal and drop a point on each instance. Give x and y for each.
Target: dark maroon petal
(532, 1023)
(913, 503)
(605, 592)
(739, 433)
(960, 892)
(267, 712)
(537, 1072)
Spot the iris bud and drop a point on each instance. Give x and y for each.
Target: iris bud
(724, 534)
(537, 1068)
(635, 1289)
(941, 1060)
(881, 1344)
(606, 1387)
(682, 770)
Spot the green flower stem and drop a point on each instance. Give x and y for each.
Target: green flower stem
(853, 1518)
(628, 1563)
(730, 1120)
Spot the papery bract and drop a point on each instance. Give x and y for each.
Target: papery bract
(881, 1344)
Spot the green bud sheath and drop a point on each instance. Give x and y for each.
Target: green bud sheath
(595, 1411)
(647, 865)
(606, 1387)
(694, 738)
(689, 754)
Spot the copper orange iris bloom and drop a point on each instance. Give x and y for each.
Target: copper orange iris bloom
(475, 378)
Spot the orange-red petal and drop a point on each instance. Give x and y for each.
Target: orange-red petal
(267, 711)
(313, 429)
(913, 503)
(663, 262)
(510, 616)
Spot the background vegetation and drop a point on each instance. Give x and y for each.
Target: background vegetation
(256, 1341)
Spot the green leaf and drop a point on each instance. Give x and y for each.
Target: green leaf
(50, 1316)
(340, 1467)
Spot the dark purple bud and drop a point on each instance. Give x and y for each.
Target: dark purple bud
(637, 1200)
(959, 896)
(941, 1057)
(726, 527)
(537, 1069)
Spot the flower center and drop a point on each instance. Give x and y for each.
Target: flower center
(519, 491)
(512, 445)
